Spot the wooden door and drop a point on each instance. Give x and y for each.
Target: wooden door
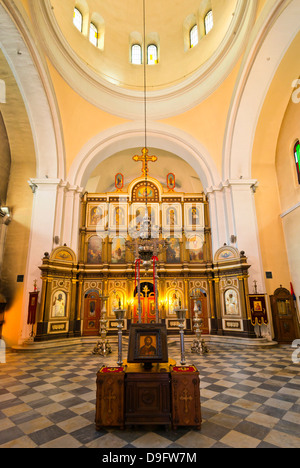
(147, 304)
(284, 314)
(203, 300)
(148, 309)
(92, 314)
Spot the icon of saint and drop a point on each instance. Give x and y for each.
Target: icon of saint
(148, 349)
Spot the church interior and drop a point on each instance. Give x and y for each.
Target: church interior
(149, 219)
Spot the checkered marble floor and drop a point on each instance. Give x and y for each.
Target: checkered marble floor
(250, 399)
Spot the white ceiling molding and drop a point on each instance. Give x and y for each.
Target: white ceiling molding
(273, 34)
(127, 103)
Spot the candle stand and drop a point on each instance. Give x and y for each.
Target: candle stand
(181, 315)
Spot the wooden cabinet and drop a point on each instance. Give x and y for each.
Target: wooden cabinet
(147, 398)
(284, 314)
(185, 389)
(110, 397)
(168, 396)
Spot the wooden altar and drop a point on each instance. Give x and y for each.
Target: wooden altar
(165, 395)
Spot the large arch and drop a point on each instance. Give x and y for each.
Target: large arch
(271, 38)
(162, 136)
(131, 135)
(30, 74)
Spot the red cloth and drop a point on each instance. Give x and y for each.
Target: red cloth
(185, 369)
(111, 370)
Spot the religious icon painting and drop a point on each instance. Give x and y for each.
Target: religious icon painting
(118, 250)
(194, 216)
(258, 309)
(143, 191)
(147, 343)
(97, 215)
(171, 182)
(171, 216)
(59, 302)
(94, 252)
(231, 302)
(195, 247)
(119, 181)
(118, 216)
(173, 250)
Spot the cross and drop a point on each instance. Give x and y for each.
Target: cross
(186, 398)
(145, 159)
(146, 290)
(110, 398)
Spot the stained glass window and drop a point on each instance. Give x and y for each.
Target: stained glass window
(297, 159)
(136, 54)
(194, 36)
(209, 22)
(152, 54)
(78, 19)
(94, 35)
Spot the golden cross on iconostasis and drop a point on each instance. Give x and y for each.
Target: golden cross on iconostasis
(145, 159)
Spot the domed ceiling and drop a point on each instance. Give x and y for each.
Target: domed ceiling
(104, 73)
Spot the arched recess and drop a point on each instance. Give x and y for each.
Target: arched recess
(164, 137)
(259, 102)
(271, 37)
(30, 74)
(131, 135)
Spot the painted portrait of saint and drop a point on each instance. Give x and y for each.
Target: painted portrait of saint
(171, 183)
(118, 250)
(59, 304)
(119, 181)
(118, 216)
(147, 345)
(173, 250)
(96, 215)
(171, 217)
(231, 302)
(195, 246)
(94, 254)
(194, 216)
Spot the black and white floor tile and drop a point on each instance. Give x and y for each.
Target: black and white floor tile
(250, 398)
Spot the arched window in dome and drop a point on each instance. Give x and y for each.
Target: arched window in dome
(94, 35)
(297, 159)
(208, 21)
(78, 19)
(136, 54)
(152, 54)
(194, 37)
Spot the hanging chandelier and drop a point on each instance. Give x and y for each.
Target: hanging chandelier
(146, 243)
